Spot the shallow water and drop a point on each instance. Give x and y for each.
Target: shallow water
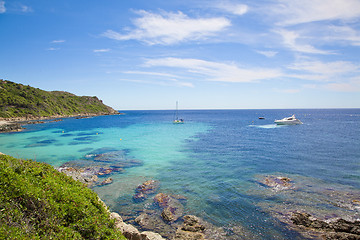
(216, 159)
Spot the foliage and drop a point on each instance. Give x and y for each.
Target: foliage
(17, 100)
(38, 202)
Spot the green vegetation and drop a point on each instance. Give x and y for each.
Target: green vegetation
(38, 202)
(17, 100)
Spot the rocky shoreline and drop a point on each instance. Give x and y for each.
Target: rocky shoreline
(165, 219)
(165, 216)
(333, 213)
(17, 124)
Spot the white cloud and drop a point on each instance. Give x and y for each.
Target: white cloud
(152, 73)
(2, 7)
(171, 82)
(326, 69)
(168, 79)
(26, 8)
(338, 76)
(292, 40)
(215, 71)
(344, 34)
(237, 9)
(353, 85)
(101, 50)
(268, 54)
(53, 49)
(170, 28)
(304, 11)
(58, 41)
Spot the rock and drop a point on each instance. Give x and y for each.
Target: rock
(130, 232)
(278, 183)
(118, 157)
(191, 229)
(116, 216)
(341, 236)
(342, 225)
(154, 222)
(145, 189)
(168, 214)
(335, 229)
(11, 127)
(86, 176)
(146, 235)
(172, 208)
(192, 224)
(107, 181)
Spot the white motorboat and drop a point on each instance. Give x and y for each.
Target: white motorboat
(288, 121)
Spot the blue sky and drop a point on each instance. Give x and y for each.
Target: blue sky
(148, 54)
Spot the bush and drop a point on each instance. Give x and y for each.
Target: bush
(38, 202)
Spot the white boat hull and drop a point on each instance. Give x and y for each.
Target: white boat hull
(292, 122)
(288, 121)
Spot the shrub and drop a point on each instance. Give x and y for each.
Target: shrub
(38, 202)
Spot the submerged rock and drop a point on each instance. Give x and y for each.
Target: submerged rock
(278, 183)
(172, 208)
(132, 233)
(334, 229)
(86, 176)
(154, 222)
(191, 229)
(117, 157)
(145, 189)
(107, 181)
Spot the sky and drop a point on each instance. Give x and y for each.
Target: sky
(148, 54)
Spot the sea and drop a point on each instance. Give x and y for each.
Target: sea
(217, 160)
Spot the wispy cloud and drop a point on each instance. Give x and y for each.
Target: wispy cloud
(171, 82)
(170, 28)
(268, 54)
(345, 34)
(58, 41)
(52, 49)
(292, 40)
(340, 76)
(168, 79)
(352, 86)
(326, 71)
(304, 11)
(101, 50)
(215, 71)
(24, 8)
(152, 74)
(234, 8)
(2, 7)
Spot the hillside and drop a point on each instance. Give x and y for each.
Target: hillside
(20, 101)
(38, 202)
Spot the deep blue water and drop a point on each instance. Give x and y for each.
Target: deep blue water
(217, 159)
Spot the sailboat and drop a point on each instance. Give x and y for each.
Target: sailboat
(176, 119)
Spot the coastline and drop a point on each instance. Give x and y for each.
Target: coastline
(16, 124)
(279, 184)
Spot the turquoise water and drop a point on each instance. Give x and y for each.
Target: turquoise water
(217, 160)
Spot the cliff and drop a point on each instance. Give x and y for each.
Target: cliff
(18, 101)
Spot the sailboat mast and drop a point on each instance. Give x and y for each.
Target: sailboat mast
(176, 116)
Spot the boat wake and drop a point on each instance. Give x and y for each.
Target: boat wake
(268, 126)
